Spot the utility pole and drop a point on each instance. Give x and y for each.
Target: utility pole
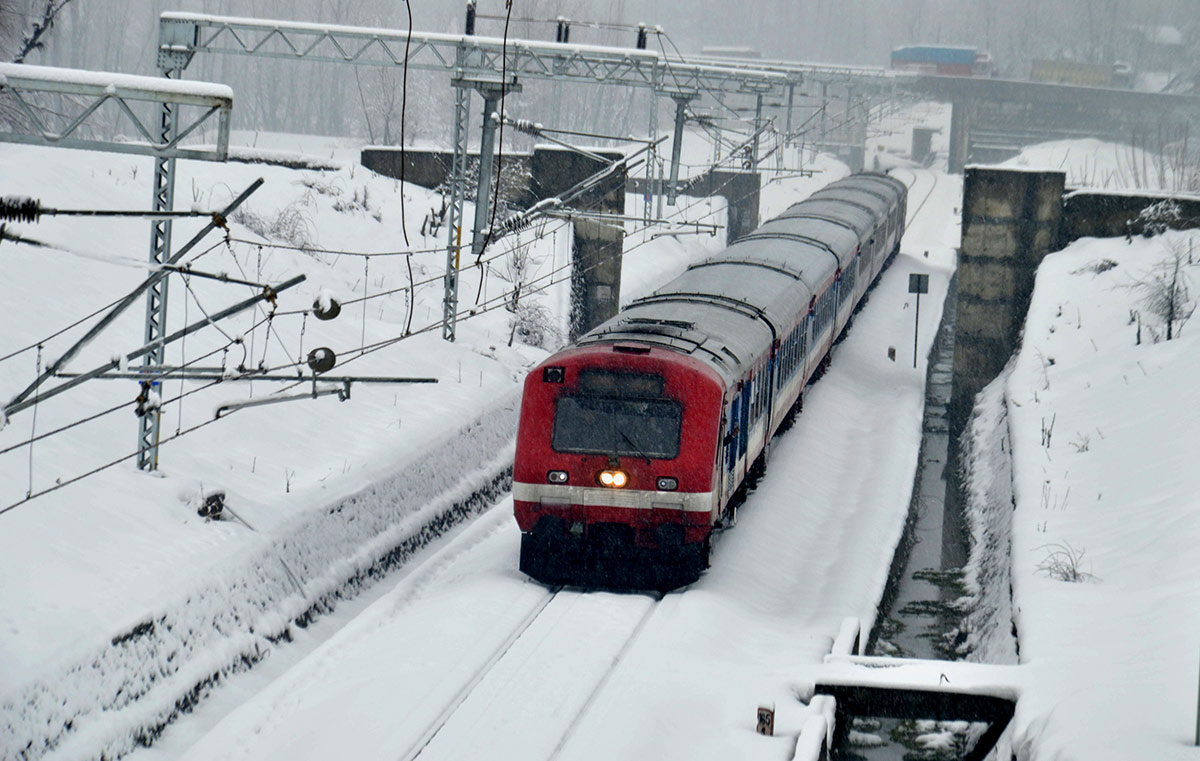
(156, 297)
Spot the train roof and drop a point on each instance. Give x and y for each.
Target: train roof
(723, 338)
(726, 309)
(860, 220)
(836, 238)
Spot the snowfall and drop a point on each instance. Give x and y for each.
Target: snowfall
(359, 595)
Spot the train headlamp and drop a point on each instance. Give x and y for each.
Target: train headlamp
(667, 484)
(557, 476)
(614, 478)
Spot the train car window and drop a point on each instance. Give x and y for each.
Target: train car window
(607, 425)
(608, 383)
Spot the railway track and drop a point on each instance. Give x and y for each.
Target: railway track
(516, 669)
(567, 640)
(914, 211)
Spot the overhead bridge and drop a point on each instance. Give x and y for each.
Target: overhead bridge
(994, 119)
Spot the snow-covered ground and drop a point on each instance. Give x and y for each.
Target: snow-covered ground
(1097, 164)
(1105, 572)
(116, 598)
(1091, 434)
(402, 677)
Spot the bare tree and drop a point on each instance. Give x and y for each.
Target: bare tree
(1166, 290)
(33, 39)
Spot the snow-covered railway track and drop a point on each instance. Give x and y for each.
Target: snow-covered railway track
(541, 680)
(913, 211)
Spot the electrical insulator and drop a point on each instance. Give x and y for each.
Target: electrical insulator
(321, 360)
(641, 37)
(470, 17)
(19, 210)
(333, 310)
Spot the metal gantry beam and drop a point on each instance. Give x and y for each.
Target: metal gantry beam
(93, 89)
(89, 91)
(461, 56)
(472, 62)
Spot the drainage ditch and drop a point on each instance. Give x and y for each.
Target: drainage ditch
(917, 616)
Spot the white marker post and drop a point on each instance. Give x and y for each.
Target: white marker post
(917, 284)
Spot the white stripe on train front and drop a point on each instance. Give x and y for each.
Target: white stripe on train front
(550, 494)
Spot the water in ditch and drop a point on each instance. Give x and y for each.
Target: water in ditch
(916, 618)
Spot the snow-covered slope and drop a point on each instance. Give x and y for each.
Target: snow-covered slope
(116, 598)
(1106, 573)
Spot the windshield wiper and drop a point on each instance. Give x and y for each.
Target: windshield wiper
(635, 446)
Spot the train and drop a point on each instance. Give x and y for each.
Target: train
(636, 443)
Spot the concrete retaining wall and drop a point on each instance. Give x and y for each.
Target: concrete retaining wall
(1011, 220)
(1108, 215)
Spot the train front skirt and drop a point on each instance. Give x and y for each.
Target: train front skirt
(605, 555)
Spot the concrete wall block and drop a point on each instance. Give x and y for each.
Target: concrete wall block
(993, 193)
(990, 321)
(986, 279)
(1048, 190)
(984, 239)
(1104, 215)
(976, 363)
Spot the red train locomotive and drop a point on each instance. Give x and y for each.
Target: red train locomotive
(633, 444)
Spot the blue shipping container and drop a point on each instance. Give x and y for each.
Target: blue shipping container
(943, 54)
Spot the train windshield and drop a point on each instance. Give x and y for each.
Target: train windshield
(647, 428)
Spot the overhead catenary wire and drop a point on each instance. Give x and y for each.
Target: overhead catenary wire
(165, 375)
(404, 120)
(500, 140)
(15, 209)
(567, 266)
(503, 299)
(259, 307)
(60, 484)
(334, 251)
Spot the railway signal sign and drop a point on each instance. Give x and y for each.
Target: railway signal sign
(765, 724)
(917, 284)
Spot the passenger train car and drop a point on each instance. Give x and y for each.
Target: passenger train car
(633, 443)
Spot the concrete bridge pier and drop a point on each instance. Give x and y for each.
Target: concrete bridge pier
(960, 132)
(598, 243)
(1010, 221)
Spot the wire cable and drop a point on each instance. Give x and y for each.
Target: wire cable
(403, 119)
(58, 333)
(500, 140)
(337, 252)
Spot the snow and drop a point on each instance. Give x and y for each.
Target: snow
(1115, 487)
(115, 84)
(322, 490)
(1080, 456)
(117, 598)
(698, 662)
(1095, 164)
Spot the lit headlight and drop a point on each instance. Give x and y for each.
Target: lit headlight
(614, 478)
(557, 476)
(668, 484)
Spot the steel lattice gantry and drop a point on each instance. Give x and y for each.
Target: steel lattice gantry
(473, 63)
(89, 91)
